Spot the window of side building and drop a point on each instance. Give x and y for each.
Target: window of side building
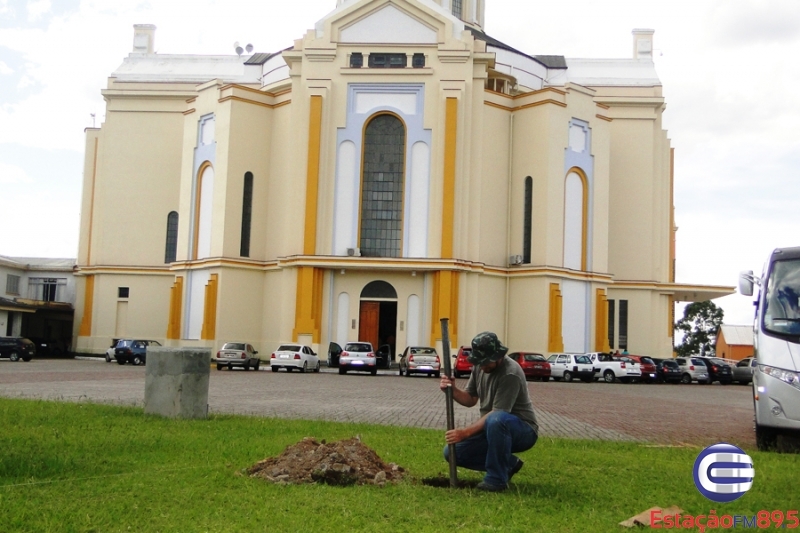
(12, 284)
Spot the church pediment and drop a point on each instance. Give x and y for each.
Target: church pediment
(390, 22)
(389, 25)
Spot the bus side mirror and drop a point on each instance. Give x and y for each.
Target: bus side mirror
(746, 283)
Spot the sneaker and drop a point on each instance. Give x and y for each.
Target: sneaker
(490, 488)
(517, 468)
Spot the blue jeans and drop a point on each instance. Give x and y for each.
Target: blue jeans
(491, 451)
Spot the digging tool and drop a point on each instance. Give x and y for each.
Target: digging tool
(451, 423)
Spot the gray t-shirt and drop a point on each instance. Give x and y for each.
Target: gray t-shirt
(505, 389)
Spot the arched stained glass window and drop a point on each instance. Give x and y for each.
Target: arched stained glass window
(382, 187)
(171, 252)
(247, 214)
(528, 224)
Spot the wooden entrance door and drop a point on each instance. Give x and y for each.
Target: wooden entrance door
(368, 323)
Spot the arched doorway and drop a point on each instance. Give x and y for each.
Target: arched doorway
(378, 319)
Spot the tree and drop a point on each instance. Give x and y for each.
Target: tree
(700, 326)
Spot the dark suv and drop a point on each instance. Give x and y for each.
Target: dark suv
(133, 351)
(16, 348)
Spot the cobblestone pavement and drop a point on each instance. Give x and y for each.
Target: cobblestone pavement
(662, 414)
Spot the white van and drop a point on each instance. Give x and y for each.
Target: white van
(776, 379)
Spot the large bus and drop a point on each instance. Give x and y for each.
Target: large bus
(776, 342)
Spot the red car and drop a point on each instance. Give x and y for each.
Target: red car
(533, 364)
(462, 366)
(649, 370)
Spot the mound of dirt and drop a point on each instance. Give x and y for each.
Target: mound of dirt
(346, 462)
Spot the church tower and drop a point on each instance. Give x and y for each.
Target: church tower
(470, 11)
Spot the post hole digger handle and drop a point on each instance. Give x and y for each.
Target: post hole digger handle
(451, 424)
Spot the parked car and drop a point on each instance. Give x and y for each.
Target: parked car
(239, 354)
(358, 356)
(647, 366)
(16, 348)
(692, 369)
(743, 371)
(133, 351)
(534, 365)
(463, 366)
(568, 366)
(291, 356)
(111, 353)
(50, 347)
(718, 370)
(609, 368)
(668, 370)
(420, 360)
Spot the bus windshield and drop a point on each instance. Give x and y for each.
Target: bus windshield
(782, 299)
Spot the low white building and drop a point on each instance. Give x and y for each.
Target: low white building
(37, 298)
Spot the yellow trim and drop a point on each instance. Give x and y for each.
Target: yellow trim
(91, 203)
(584, 213)
(601, 322)
(449, 192)
(175, 309)
(445, 304)
(88, 308)
(195, 239)
(312, 177)
(607, 119)
(555, 340)
(308, 306)
(189, 112)
(209, 331)
(363, 155)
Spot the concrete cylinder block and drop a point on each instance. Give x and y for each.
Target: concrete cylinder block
(176, 382)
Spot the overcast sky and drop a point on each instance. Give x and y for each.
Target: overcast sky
(729, 70)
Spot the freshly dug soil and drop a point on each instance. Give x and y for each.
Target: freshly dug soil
(346, 462)
(443, 482)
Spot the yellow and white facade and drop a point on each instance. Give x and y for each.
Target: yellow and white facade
(394, 167)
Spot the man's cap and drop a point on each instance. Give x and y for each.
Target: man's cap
(486, 348)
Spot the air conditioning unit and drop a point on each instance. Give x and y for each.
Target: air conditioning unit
(354, 252)
(515, 260)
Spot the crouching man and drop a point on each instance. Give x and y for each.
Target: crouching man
(507, 424)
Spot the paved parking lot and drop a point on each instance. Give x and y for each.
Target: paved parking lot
(661, 414)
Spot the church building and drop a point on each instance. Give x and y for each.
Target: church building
(394, 166)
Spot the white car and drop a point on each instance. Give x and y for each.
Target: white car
(291, 356)
(693, 369)
(358, 356)
(610, 369)
(110, 353)
(568, 366)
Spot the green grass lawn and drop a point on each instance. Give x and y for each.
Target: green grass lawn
(81, 467)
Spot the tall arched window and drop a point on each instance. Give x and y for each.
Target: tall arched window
(528, 224)
(247, 214)
(171, 252)
(382, 187)
(575, 220)
(458, 9)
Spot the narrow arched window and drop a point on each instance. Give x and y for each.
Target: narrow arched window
(247, 214)
(528, 224)
(383, 179)
(171, 252)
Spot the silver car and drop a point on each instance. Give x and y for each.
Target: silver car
(693, 369)
(743, 371)
(420, 360)
(240, 354)
(358, 356)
